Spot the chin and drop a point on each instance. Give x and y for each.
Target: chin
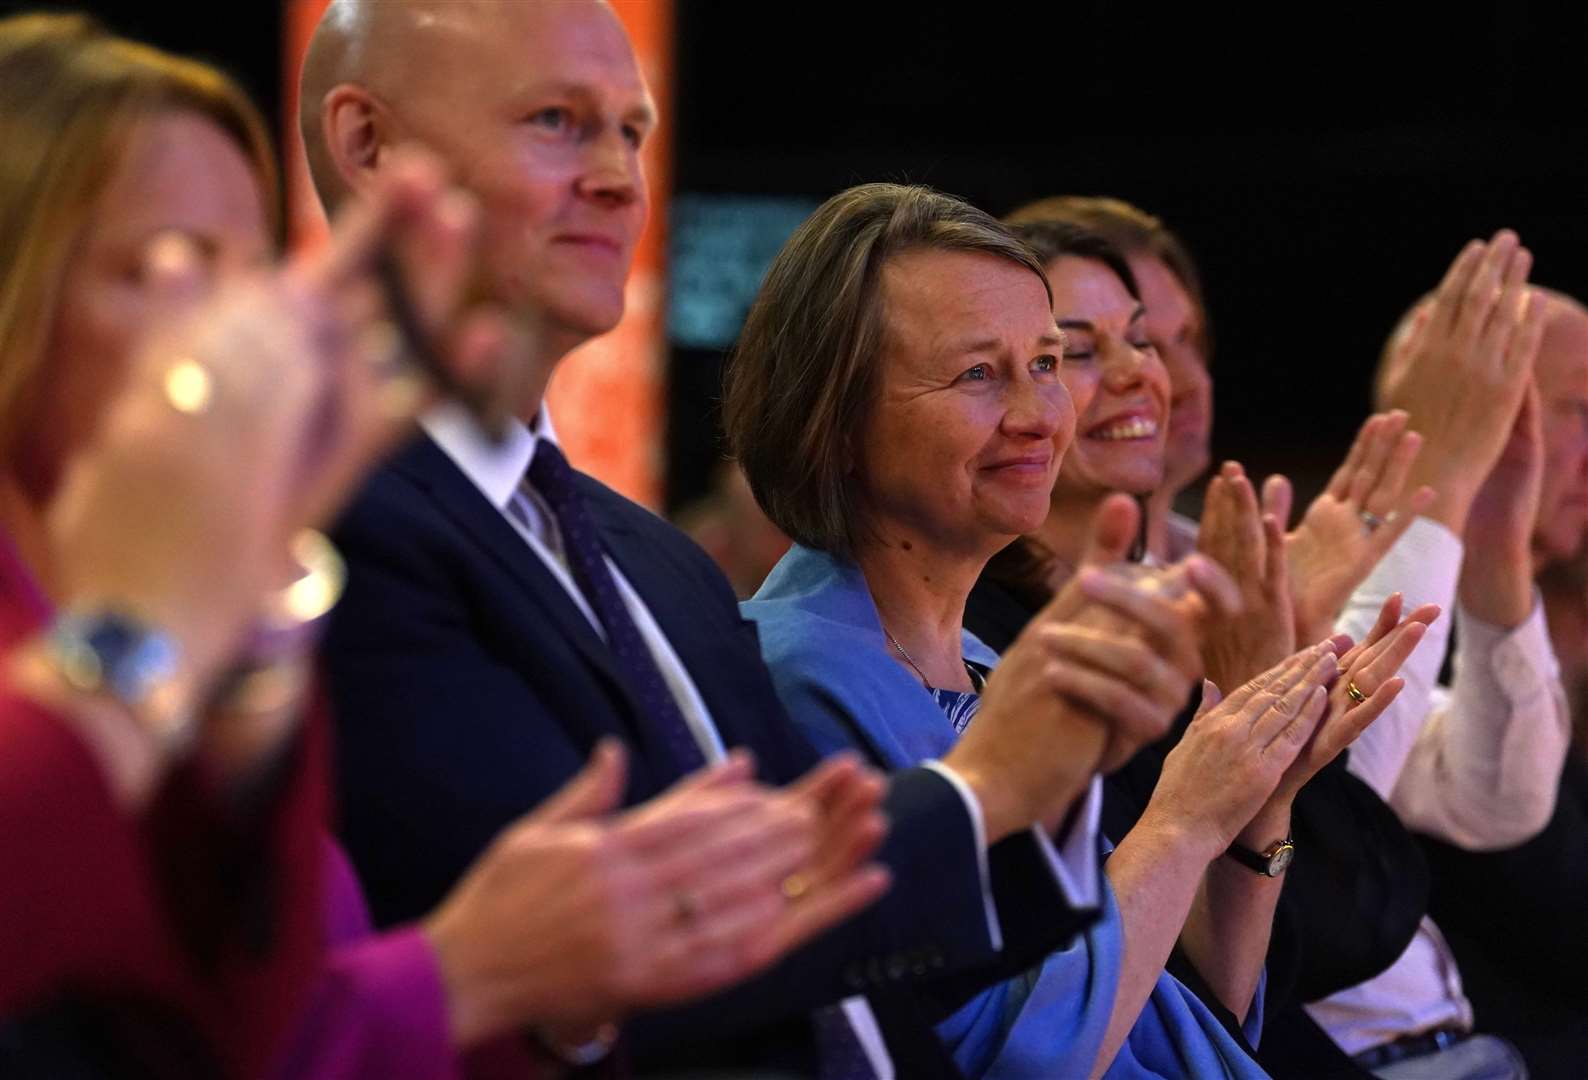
(589, 311)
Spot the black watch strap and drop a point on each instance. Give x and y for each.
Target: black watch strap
(1270, 863)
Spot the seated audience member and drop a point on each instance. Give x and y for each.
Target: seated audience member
(505, 612)
(1476, 767)
(897, 404)
(1459, 775)
(1513, 917)
(1362, 886)
(162, 796)
(1177, 324)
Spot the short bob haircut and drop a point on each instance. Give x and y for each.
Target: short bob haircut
(1134, 232)
(802, 381)
(71, 95)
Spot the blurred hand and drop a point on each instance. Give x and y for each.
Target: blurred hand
(1464, 367)
(573, 917)
(1337, 543)
(1497, 573)
(251, 411)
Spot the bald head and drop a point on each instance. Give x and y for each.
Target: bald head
(412, 54)
(380, 46)
(539, 109)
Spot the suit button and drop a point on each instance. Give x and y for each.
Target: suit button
(874, 970)
(935, 957)
(896, 967)
(854, 977)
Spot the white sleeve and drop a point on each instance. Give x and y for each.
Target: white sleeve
(1424, 566)
(1483, 771)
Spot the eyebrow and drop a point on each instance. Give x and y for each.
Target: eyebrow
(1089, 327)
(994, 344)
(643, 113)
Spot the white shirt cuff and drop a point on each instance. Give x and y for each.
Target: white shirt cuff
(1073, 860)
(978, 827)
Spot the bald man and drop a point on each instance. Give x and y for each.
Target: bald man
(1514, 918)
(504, 611)
(1473, 765)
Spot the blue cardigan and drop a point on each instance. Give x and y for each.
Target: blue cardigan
(824, 643)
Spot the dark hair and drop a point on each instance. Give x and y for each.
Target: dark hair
(802, 380)
(1134, 232)
(1051, 240)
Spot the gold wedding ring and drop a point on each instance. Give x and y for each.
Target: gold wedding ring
(1354, 692)
(795, 886)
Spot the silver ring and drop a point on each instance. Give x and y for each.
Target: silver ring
(1370, 519)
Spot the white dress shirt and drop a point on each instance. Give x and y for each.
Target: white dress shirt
(498, 471)
(1476, 765)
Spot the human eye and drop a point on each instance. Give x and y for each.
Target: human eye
(979, 373)
(1046, 364)
(556, 118)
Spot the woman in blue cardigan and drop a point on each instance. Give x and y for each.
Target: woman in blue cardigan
(896, 404)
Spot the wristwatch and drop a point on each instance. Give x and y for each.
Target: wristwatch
(119, 656)
(1270, 862)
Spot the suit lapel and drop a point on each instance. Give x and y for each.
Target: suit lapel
(489, 530)
(680, 613)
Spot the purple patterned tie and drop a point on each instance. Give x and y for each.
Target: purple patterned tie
(552, 476)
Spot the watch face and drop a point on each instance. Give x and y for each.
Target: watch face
(1281, 859)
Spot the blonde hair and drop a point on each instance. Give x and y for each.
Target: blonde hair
(70, 95)
(800, 385)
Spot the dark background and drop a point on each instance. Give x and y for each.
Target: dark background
(1322, 162)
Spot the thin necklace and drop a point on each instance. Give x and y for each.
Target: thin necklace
(977, 681)
(907, 657)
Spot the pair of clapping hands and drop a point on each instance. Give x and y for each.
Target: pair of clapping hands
(1107, 665)
(1461, 445)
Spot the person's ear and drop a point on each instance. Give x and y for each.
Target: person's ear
(359, 131)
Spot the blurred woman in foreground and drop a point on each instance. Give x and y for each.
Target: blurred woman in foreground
(176, 415)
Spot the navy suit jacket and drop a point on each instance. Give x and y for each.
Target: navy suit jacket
(469, 687)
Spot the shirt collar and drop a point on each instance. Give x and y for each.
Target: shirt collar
(496, 469)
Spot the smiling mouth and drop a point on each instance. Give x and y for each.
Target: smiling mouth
(593, 243)
(1137, 427)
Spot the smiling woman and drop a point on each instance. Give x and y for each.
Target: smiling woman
(1114, 373)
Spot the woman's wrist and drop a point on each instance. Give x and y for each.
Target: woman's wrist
(1270, 825)
(131, 756)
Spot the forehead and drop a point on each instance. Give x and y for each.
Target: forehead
(506, 48)
(937, 297)
(1161, 291)
(1086, 288)
(1562, 365)
(180, 170)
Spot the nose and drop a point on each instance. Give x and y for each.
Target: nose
(1042, 410)
(612, 175)
(1122, 365)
